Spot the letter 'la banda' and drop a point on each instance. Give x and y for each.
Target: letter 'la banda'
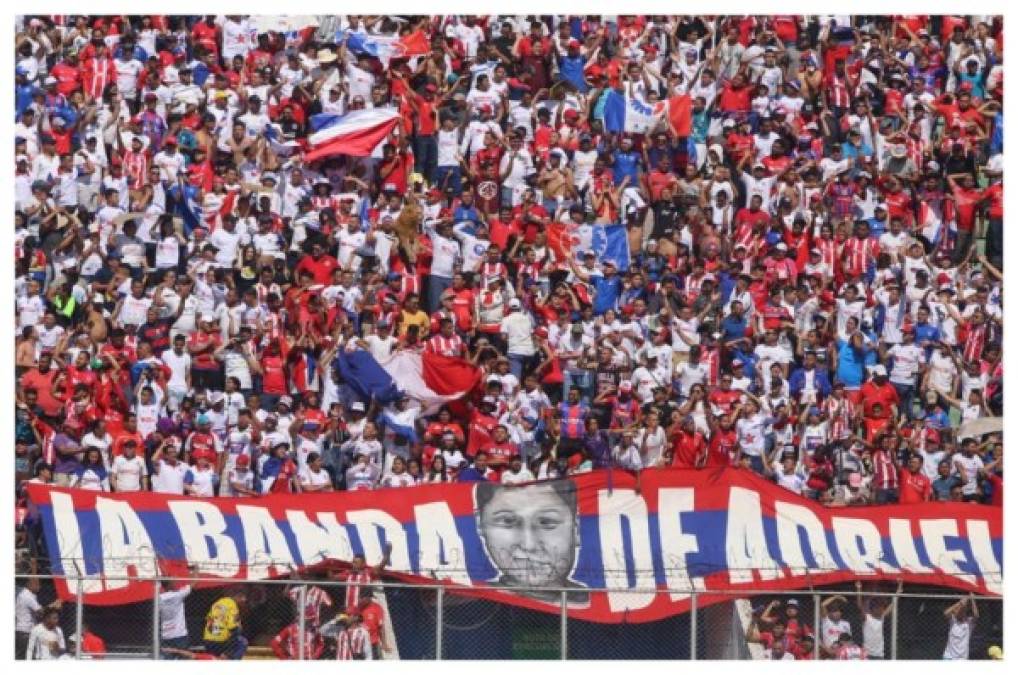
(592, 535)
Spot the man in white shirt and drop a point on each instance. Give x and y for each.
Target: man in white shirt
(168, 474)
(46, 639)
(172, 617)
(27, 611)
(517, 330)
(128, 472)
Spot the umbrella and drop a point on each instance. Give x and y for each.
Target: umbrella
(284, 24)
(981, 427)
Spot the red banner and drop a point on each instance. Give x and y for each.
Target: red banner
(612, 549)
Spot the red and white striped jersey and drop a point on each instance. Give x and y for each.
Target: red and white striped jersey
(353, 643)
(493, 271)
(356, 579)
(837, 91)
(885, 472)
(840, 412)
(446, 346)
(315, 599)
(858, 254)
(136, 168)
(828, 252)
(287, 643)
(975, 339)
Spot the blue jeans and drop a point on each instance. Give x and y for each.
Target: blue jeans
(426, 155)
(886, 496)
(436, 286)
(906, 398)
(233, 649)
(517, 362)
(175, 643)
(448, 177)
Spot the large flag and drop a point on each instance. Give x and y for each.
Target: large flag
(357, 133)
(624, 552)
(608, 242)
(387, 47)
(431, 380)
(630, 114)
(680, 114)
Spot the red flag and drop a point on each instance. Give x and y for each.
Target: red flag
(680, 114)
(558, 240)
(447, 375)
(415, 44)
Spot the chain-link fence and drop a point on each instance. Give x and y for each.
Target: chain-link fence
(341, 619)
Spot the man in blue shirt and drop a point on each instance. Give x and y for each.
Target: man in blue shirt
(23, 92)
(878, 223)
(476, 472)
(607, 286)
(734, 326)
(926, 334)
(626, 162)
(466, 211)
(571, 66)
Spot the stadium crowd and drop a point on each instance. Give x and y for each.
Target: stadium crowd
(813, 289)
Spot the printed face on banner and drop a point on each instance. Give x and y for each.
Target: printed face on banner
(530, 535)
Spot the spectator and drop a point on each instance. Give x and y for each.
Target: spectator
(28, 612)
(46, 639)
(223, 634)
(962, 616)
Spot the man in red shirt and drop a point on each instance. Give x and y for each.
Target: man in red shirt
(67, 73)
(373, 617)
(967, 198)
(879, 390)
(318, 264)
(41, 379)
(994, 195)
(915, 487)
(689, 449)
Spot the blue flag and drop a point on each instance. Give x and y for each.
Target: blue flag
(614, 112)
(607, 242)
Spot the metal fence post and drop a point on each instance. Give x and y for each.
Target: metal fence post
(894, 627)
(816, 626)
(79, 612)
(440, 619)
(563, 626)
(156, 621)
(302, 620)
(692, 627)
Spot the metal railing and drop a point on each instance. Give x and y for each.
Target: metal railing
(424, 621)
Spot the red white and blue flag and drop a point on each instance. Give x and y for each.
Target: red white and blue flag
(356, 134)
(429, 379)
(388, 47)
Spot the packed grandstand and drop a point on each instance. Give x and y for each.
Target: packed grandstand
(288, 255)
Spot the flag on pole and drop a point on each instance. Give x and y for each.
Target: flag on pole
(357, 133)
